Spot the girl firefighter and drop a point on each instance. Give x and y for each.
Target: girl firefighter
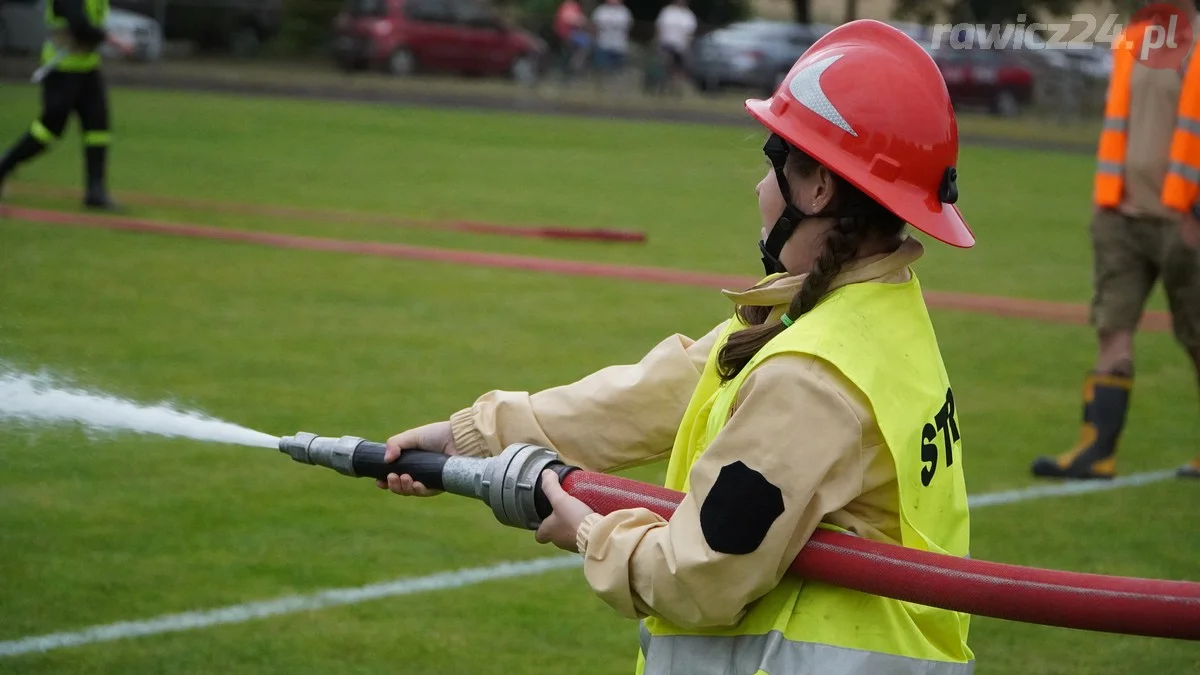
(822, 402)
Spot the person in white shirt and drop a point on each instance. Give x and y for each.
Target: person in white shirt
(674, 27)
(612, 21)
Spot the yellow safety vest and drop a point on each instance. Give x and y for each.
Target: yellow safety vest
(879, 335)
(96, 12)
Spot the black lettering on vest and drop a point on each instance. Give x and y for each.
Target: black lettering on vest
(929, 454)
(947, 423)
(739, 510)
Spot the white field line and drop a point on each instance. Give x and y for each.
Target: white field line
(171, 623)
(1062, 489)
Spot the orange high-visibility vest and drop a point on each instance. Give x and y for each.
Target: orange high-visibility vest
(1182, 183)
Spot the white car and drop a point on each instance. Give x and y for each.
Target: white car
(140, 31)
(23, 30)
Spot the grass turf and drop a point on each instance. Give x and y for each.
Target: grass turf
(131, 527)
(689, 187)
(1036, 125)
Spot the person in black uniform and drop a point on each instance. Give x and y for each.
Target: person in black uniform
(72, 83)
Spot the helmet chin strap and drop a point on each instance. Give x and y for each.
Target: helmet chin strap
(772, 246)
(776, 150)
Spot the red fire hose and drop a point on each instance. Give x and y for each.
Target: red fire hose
(1147, 607)
(509, 483)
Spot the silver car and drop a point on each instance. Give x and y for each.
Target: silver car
(749, 54)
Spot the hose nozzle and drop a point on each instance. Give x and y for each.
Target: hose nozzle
(510, 483)
(334, 453)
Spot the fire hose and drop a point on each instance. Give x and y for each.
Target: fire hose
(510, 483)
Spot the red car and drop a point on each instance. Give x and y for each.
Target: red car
(404, 36)
(993, 78)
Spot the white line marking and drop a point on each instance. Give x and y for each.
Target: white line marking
(1063, 489)
(170, 623)
(286, 605)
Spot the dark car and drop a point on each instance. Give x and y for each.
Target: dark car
(749, 54)
(991, 78)
(405, 36)
(237, 26)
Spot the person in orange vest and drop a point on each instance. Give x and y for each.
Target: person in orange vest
(1146, 226)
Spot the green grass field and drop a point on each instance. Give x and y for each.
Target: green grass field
(96, 529)
(1039, 124)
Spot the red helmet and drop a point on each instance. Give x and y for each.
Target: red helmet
(870, 104)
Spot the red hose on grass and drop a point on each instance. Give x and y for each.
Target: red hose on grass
(1130, 606)
(337, 216)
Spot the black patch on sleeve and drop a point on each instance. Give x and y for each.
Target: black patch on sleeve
(739, 510)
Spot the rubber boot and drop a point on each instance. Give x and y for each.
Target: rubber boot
(97, 187)
(1191, 469)
(25, 149)
(1105, 403)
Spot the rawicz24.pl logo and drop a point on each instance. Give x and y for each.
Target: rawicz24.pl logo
(1162, 39)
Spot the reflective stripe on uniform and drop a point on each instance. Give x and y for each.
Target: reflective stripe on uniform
(66, 60)
(1108, 184)
(775, 655)
(40, 132)
(1188, 124)
(95, 138)
(1190, 174)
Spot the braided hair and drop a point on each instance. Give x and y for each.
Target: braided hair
(861, 218)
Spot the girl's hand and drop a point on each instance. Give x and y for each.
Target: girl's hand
(562, 527)
(435, 437)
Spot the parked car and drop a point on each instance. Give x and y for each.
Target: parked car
(1095, 62)
(749, 54)
(406, 36)
(240, 27)
(1025, 44)
(140, 31)
(992, 78)
(23, 30)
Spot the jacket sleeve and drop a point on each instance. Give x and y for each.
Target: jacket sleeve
(790, 453)
(617, 417)
(86, 34)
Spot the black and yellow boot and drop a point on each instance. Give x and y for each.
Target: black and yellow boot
(26, 148)
(1105, 403)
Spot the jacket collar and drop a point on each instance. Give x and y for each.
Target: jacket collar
(778, 289)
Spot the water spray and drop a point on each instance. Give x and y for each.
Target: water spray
(42, 399)
(510, 483)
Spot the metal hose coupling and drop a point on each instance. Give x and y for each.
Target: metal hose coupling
(510, 483)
